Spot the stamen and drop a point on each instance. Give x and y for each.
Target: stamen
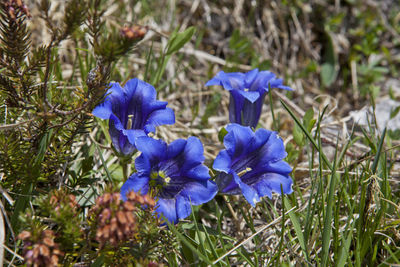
(156, 182)
(243, 172)
(130, 122)
(246, 89)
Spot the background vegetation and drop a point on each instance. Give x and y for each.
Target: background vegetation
(57, 57)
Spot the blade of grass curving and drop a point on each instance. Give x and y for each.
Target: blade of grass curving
(219, 220)
(395, 256)
(251, 237)
(22, 202)
(277, 256)
(2, 237)
(297, 228)
(245, 257)
(360, 224)
(378, 154)
(148, 61)
(271, 104)
(199, 233)
(210, 243)
(326, 235)
(104, 164)
(311, 209)
(104, 128)
(367, 230)
(344, 253)
(312, 140)
(183, 239)
(385, 190)
(82, 68)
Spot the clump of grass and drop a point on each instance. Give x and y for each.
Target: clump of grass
(55, 160)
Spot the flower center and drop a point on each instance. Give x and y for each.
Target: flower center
(246, 89)
(130, 122)
(158, 183)
(243, 172)
(159, 179)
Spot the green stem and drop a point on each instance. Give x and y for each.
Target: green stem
(125, 163)
(124, 170)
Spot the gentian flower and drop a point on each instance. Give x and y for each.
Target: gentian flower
(252, 164)
(247, 93)
(174, 174)
(132, 111)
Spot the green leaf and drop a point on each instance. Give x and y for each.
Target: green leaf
(328, 74)
(298, 136)
(178, 40)
(297, 227)
(221, 134)
(308, 120)
(394, 112)
(185, 241)
(99, 261)
(44, 143)
(330, 67)
(212, 107)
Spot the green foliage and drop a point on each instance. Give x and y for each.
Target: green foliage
(330, 68)
(212, 107)
(55, 161)
(243, 52)
(178, 40)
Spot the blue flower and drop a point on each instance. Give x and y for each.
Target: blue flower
(174, 174)
(247, 93)
(252, 164)
(132, 111)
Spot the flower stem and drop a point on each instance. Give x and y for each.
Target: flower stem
(125, 170)
(125, 161)
(233, 213)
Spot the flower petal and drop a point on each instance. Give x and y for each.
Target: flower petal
(249, 193)
(280, 167)
(249, 77)
(235, 107)
(271, 182)
(167, 208)
(261, 82)
(103, 111)
(238, 139)
(153, 149)
(227, 184)
(199, 172)
(183, 208)
(234, 80)
(133, 134)
(222, 162)
(252, 96)
(273, 150)
(193, 153)
(135, 183)
(199, 193)
(252, 112)
(159, 117)
(175, 148)
(143, 165)
(230, 81)
(130, 87)
(285, 87)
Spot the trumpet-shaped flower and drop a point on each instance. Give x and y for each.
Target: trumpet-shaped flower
(247, 93)
(132, 111)
(174, 174)
(252, 164)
